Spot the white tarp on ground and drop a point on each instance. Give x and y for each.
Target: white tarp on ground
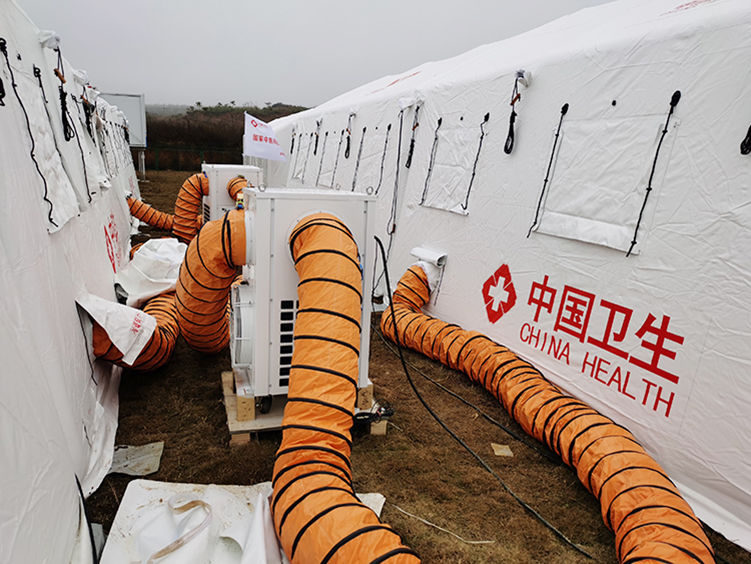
(658, 340)
(63, 233)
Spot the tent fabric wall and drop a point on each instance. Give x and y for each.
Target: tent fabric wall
(657, 340)
(58, 406)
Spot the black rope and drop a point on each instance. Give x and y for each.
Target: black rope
(94, 553)
(307, 156)
(383, 158)
(336, 161)
(38, 75)
(415, 124)
(4, 51)
(60, 71)
(431, 163)
(2, 92)
(746, 143)
(564, 110)
(673, 103)
(323, 154)
(349, 135)
(359, 156)
(391, 226)
(318, 129)
(292, 144)
(454, 435)
(80, 149)
(477, 158)
(515, 97)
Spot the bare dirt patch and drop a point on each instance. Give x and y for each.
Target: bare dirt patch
(417, 466)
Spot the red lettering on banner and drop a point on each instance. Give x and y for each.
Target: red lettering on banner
(658, 349)
(617, 336)
(544, 299)
(574, 312)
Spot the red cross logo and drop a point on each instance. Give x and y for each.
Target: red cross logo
(499, 294)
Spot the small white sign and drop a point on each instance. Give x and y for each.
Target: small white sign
(260, 140)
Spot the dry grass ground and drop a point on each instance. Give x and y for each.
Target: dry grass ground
(417, 466)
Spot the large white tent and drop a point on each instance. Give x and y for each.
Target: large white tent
(64, 231)
(611, 245)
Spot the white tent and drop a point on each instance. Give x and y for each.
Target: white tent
(64, 231)
(612, 246)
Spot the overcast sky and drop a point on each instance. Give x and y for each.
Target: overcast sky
(294, 51)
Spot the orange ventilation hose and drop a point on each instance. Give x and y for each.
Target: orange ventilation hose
(188, 216)
(316, 513)
(149, 215)
(158, 350)
(651, 521)
(206, 275)
(235, 186)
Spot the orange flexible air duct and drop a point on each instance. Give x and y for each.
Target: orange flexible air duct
(149, 215)
(188, 213)
(158, 350)
(206, 275)
(316, 513)
(651, 521)
(235, 186)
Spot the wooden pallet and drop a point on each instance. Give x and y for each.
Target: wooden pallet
(244, 420)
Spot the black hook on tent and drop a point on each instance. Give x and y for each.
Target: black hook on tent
(415, 124)
(564, 111)
(746, 143)
(673, 103)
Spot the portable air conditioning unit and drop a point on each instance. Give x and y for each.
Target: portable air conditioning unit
(264, 307)
(218, 201)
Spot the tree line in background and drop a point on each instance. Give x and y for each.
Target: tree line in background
(203, 134)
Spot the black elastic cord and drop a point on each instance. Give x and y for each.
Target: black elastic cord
(564, 111)
(323, 154)
(4, 51)
(336, 160)
(673, 103)
(292, 144)
(359, 156)
(415, 124)
(515, 97)
(477, 158)
(746, 143)
(94, 553)
(454, 435)
(349, 135)
(80, 149)
(307, 156)
(38, 75)
(431, 163)
(318, 136)
(383, 158)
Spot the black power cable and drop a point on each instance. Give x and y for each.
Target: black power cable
(468, 403)
(454, 435)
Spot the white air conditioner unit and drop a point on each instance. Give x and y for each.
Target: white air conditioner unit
(218, 201)
(264, 307)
